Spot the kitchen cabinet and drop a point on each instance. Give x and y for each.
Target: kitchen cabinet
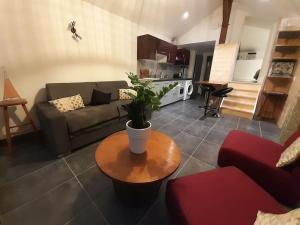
(171, 96)
(167, 49)
(182, 57)
(148, 46)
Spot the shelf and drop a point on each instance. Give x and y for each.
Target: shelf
(275, 93)
(280, 76)
(286, 48)
(287, 34)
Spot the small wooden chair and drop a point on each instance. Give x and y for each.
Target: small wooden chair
(12, 98)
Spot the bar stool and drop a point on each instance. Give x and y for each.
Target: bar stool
(220, 94)
(12, 98)
(207, 89)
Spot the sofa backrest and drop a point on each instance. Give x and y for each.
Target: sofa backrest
(111, 87)
(85, 89)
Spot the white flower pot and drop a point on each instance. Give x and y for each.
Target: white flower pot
(138, 138)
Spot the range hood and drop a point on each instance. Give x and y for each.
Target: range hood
(161, 58)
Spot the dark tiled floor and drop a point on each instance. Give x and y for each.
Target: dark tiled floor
(36, 188)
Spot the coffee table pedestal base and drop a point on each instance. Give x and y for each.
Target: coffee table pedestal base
(137, 193)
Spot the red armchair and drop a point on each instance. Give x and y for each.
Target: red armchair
(257, 157)
(225, 196)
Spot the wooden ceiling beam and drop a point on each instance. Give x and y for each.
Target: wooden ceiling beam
(227, 5)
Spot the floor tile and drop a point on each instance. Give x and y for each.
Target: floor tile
(56, 207)
(197, 130)
(170, 130)
(250, 126)
(26, 159)
(216, 136)
(82, 159)
(208, 152)
(90, 215)
(181, 123)
(95, 182)
(272, 136)
(186, 118)
(193, 166)
(269, 127)
(32, 186)
(157, 215)
(117, 212)
(187, 143)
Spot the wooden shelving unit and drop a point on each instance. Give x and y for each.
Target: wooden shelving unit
(276, 87)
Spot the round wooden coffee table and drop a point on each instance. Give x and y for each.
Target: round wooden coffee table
(137, 176)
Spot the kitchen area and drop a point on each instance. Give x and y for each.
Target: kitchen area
(164, 63)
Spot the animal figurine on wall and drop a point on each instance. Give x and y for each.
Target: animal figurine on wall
(72, 28)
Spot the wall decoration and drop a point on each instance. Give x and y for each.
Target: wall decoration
(71, 27)
(282, 68)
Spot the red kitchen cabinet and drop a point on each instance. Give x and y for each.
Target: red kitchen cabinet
(182, 57)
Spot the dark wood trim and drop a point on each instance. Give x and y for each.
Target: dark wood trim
(227, 5)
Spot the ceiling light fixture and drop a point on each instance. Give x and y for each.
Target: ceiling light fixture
(185, 15)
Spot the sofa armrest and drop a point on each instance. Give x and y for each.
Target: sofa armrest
(54, 126)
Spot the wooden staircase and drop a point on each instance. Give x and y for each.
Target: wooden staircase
(242, 100)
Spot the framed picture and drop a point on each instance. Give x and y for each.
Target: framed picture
(282, 68)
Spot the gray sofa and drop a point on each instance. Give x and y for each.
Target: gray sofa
(65, 132)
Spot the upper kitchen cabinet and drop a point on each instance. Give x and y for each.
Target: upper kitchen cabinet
(168, 49)
(149, 47)
(182, 57)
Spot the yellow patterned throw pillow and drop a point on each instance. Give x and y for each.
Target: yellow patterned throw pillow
(68, 103)
(290, 218)
(289, 155)
(123, 94)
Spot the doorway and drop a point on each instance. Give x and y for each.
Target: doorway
(208, 67)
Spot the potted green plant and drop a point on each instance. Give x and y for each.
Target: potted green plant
(138, 128)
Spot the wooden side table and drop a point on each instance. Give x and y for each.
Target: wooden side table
(137, 178)
(14, 102)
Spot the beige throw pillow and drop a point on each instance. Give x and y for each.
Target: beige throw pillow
(68, 103)
(290, 154)
(123, 94)
(290, 218)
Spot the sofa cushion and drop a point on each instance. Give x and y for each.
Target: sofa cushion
(257, 157)
(111, 87)
(100, 98)
(290, 154)
(90, 116)
(68, 103)
(223, 196)
(118, 104)
(60, 90)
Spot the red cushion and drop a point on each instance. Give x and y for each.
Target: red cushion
(257, 157)
(223, 196)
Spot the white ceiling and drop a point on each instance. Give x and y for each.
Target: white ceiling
(165, 16)
(161, 16)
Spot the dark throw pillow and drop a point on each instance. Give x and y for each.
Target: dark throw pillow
(100, 98)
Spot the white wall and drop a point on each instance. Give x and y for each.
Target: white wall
(191, 64)
(208, 29)
(246, 69)
(223, 62)
(255, 38)
(36, 47)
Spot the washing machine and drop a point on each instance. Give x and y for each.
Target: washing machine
(188, 89)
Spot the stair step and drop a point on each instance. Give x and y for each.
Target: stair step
(235, 112)
(243, 86)
(245, 90)
(237, 109)
(234, 94)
